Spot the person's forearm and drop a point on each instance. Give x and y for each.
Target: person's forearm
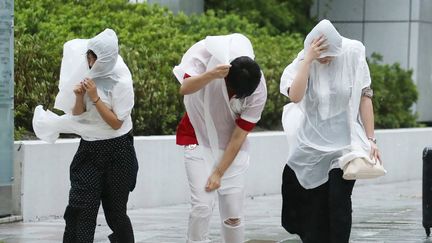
(367, 116)
(298, 87)
(193, 84)
(79, 106)
(237, 139)
(108, 115)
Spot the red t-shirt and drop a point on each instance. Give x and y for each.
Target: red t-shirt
(185, 134)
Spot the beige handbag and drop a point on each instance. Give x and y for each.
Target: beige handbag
(362, 168)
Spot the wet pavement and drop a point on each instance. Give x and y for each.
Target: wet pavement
(381, 213)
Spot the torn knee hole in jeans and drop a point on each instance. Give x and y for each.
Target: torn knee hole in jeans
(233, 222)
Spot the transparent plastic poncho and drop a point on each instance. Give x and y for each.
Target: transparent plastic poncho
(210, 110)
(107, 71)
(324, 129)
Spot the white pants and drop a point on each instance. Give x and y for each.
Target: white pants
(230, 195)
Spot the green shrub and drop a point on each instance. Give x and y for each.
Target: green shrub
(277, 16)
(394, 94)
(152, 41)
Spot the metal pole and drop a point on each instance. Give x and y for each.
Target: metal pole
(6, 101)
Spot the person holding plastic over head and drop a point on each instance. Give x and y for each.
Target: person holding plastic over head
(224, 95)
(96, 94)
(329, 121)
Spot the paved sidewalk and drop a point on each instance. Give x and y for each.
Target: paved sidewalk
(382, 213)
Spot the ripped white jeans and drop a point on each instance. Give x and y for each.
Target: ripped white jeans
(230, 195)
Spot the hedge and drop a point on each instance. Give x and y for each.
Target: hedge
(394, 94)
(278, 16)
(152, 40)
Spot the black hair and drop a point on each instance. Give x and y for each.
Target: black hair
(91, 53)
(243, 77)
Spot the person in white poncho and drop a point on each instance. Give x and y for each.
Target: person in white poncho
(224, 95)
(329, 120)
(96, 94)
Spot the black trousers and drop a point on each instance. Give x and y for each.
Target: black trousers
(101, 171)
(321, 214)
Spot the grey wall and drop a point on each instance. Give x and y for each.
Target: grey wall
(186, 6)
(424, 59)
(6, 105)
(400, 30)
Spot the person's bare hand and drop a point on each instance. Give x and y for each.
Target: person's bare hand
(79, 90)
(374, 153)
(220, 71)
(213, 182)
(317, 47)
(90, 87)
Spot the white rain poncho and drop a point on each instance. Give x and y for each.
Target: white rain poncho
(211, 112)
(114, 83)
(324, 129)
